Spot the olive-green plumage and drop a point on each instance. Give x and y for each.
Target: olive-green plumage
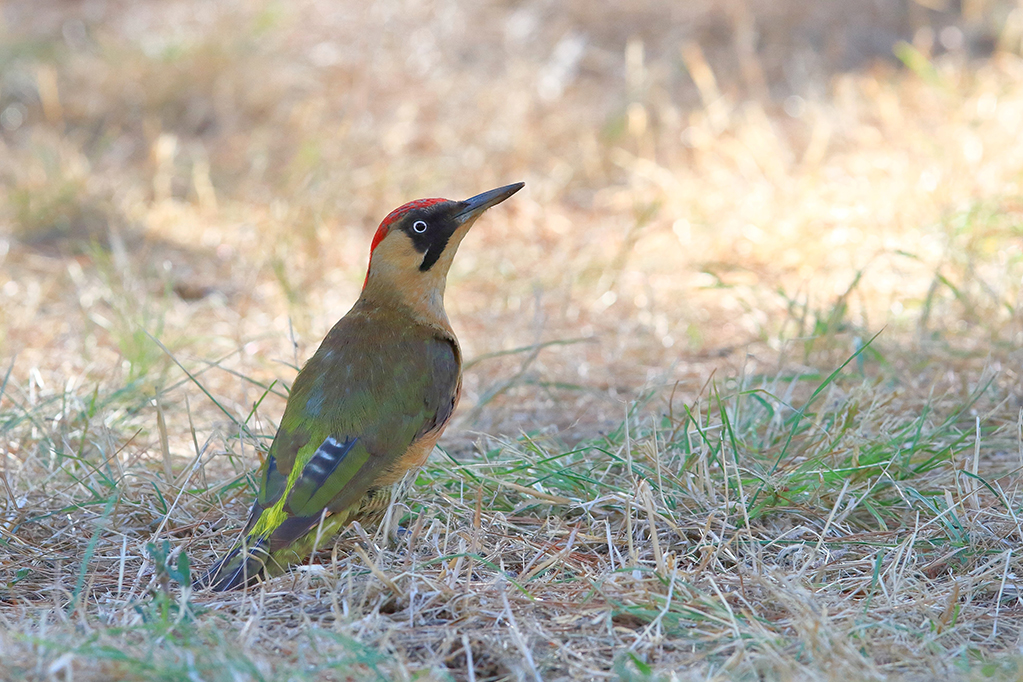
(371, 402)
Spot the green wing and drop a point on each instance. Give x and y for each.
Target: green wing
(354, 410)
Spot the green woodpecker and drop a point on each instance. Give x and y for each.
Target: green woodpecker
(371, 402)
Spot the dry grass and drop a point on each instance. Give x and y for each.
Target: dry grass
(744, 392)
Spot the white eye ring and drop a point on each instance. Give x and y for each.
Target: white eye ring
(419, 226)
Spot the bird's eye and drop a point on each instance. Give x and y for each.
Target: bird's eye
(419, 226)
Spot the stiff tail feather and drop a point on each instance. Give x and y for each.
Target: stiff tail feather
(244, 566)
(291, 541)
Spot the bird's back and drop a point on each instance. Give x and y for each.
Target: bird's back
(381, 375)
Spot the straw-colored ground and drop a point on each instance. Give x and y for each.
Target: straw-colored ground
(743, 397)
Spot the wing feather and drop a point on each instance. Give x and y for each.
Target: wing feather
(362, 405)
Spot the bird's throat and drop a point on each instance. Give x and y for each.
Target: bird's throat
(416, 294)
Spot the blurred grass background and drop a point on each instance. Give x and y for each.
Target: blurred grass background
(724, 203)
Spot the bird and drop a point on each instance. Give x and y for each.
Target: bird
(371, 402)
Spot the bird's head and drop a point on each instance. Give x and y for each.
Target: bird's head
(413, 248)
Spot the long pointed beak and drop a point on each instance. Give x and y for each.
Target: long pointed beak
(472, 208)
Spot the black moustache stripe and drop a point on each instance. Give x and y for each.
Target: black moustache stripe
(433, 252)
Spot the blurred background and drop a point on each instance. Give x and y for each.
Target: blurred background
(713, 189)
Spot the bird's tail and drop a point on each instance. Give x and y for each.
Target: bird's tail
(244, 566)
(259, 557)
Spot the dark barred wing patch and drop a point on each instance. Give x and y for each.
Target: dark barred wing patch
(318, 470)
(326, 459)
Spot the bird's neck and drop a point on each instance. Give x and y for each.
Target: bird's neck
(424, 304)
